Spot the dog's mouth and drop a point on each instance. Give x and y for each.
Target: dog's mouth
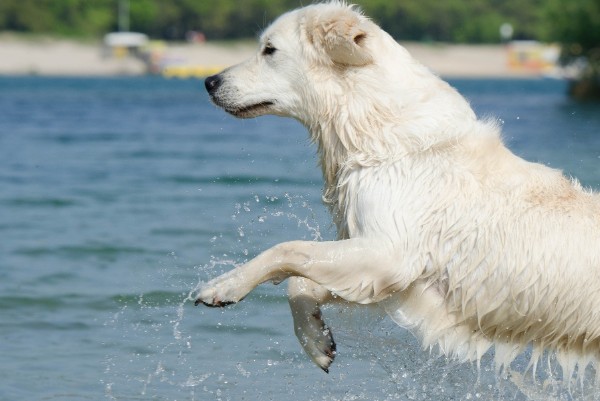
(252, 110)
(249, 111)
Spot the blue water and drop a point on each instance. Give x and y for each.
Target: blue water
(118, 196)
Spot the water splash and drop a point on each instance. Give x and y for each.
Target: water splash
(249, 350)
(167, 365)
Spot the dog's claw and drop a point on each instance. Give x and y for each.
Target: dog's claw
(214, 303)
(330, 352)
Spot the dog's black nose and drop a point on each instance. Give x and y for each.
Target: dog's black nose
(212, 83)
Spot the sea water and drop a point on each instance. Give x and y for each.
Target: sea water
(119, 196)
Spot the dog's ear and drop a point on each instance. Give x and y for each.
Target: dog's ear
(344, 35)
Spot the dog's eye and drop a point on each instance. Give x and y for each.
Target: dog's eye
(269, 49)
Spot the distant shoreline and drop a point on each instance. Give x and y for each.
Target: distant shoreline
(63, 57)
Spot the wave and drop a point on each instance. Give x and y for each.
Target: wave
(63, 302)
(40, 202)
(25, 304)
(240, 180)
(151, 299)
(103, 251)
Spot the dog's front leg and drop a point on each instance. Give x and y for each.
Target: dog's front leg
(358, 270)
(305, 297)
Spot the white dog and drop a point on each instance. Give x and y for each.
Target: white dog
(457, 238)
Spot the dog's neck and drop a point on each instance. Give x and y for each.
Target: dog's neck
(357, 138)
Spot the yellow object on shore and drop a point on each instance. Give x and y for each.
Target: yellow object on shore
(533, 56)
(190, 71)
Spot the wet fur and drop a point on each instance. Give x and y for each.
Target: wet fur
(458, 239)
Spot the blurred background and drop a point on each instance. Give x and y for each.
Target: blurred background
(122, 189)
(197, 37)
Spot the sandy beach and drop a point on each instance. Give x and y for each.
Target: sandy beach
(61, 57)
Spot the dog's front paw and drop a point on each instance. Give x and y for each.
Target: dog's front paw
(220, 292)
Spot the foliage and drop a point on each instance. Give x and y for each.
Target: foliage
(63, 17)
(573, 23)
(475, 21)
(576, 24)
(449, 20)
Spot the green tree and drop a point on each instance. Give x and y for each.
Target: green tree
(469, 21)
(576, 24)
(65, 17)
(449, 20)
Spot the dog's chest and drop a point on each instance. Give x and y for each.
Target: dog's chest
(388, 200)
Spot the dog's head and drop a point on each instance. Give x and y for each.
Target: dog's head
(300, 54)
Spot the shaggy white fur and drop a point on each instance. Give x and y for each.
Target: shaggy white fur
(454, 236)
